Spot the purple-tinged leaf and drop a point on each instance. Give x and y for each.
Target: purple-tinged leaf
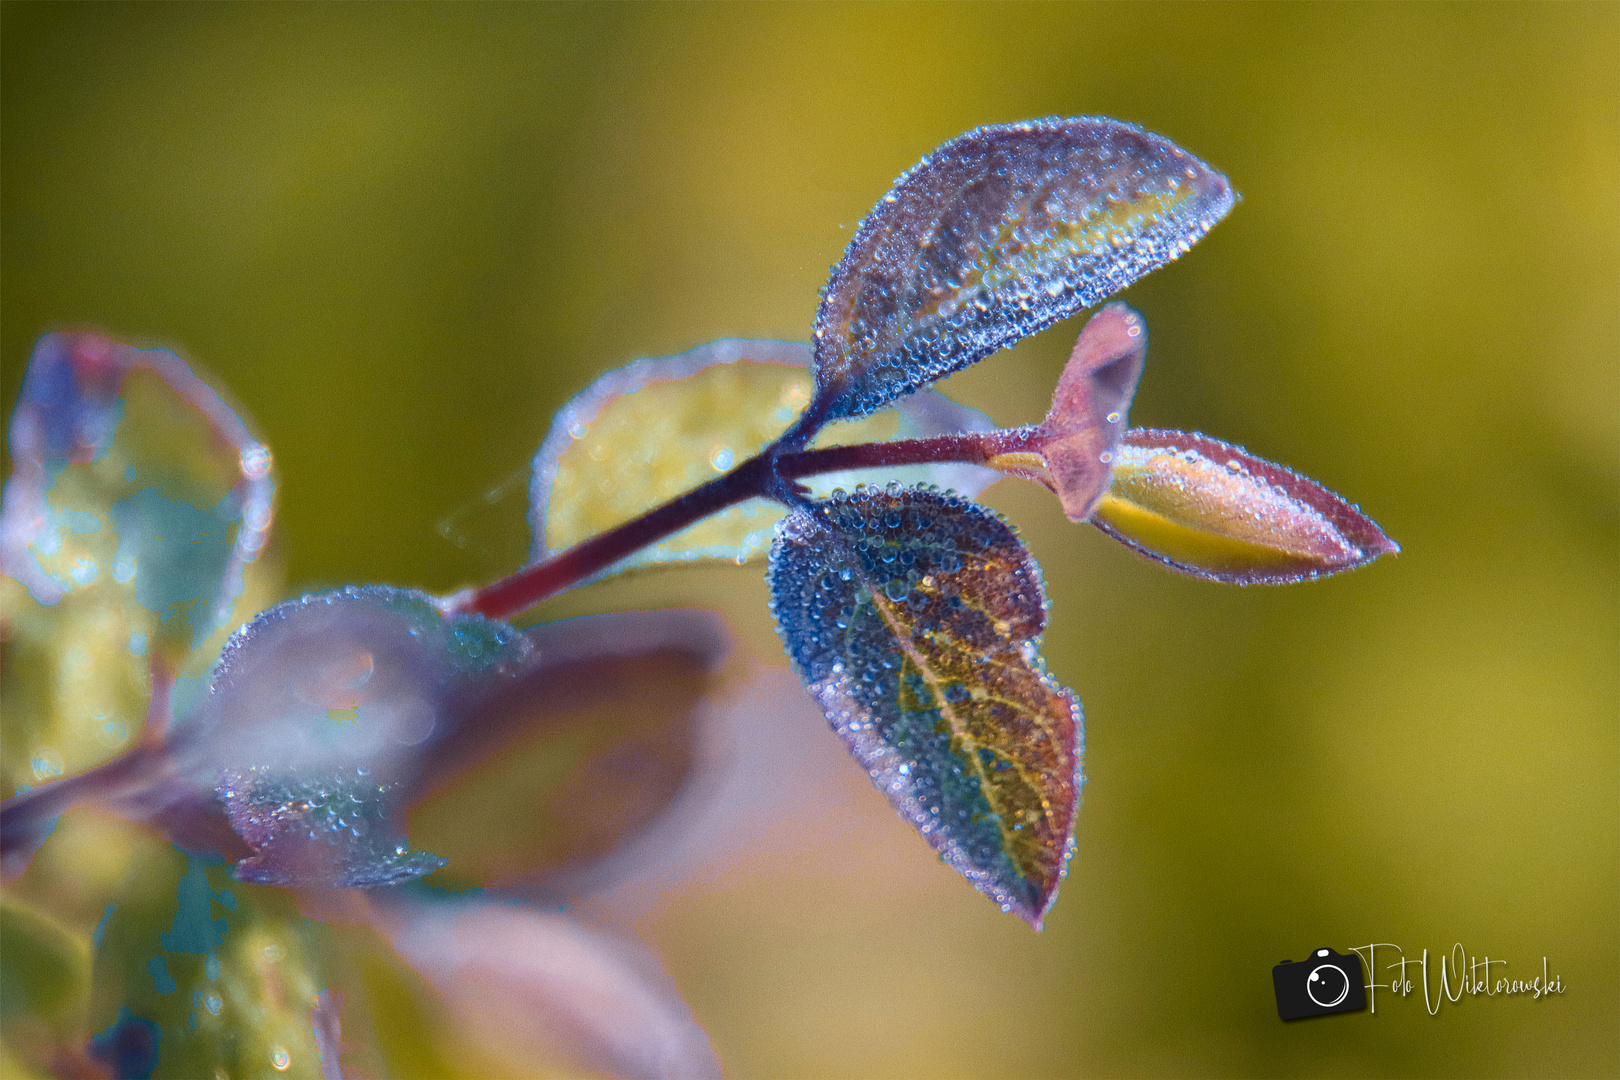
(1072, 451)
(1215, 511)
(331, 714)
(997, 234)
(584, 747)
(534, 990)
(1082, 432)
(913, 618)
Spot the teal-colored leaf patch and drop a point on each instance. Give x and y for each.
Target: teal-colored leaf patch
(913, 618)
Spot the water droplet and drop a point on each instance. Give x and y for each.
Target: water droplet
(256, 460)
(280, 1058)
(722, 459)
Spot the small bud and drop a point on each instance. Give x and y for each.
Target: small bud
(1215, 511)
(1081, 435)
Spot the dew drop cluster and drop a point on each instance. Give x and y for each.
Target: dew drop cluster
(996, 235)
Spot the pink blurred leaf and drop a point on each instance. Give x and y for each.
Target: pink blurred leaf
(533, 988)
(1078, 441)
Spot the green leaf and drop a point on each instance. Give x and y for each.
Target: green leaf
(654, 429)
(996, 235)
(1213, 510)
(224, 975)
(913, 618)
(45, 978)
(131, 536)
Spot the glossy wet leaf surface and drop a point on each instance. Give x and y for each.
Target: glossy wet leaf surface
(656, 428)
(913, 618)
(997, 234)
(1215, 511)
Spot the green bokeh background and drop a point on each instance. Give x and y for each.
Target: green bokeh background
(402, 236)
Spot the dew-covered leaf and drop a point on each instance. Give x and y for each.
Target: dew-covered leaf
(913, 618)
(131, 538)
(1215, 511)
(535, 991)
(654, 429)
(997, 234)
(198, 976)
(317, 720)
(332, 713)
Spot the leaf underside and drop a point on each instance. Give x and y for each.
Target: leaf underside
(913, 619)
(998, 234)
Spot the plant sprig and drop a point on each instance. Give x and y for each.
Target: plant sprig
(912, 615)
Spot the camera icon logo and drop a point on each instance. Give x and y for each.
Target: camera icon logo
(1323, 983)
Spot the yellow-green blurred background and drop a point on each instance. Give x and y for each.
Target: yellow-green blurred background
(401, 236)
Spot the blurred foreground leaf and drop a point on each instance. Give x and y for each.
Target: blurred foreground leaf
(197, 975)
(577, 753)
(132, 526)
(536, 994)
(44, 979)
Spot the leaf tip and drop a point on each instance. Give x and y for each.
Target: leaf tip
(1212, 510)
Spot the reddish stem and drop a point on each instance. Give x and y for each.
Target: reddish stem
(754, 478)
